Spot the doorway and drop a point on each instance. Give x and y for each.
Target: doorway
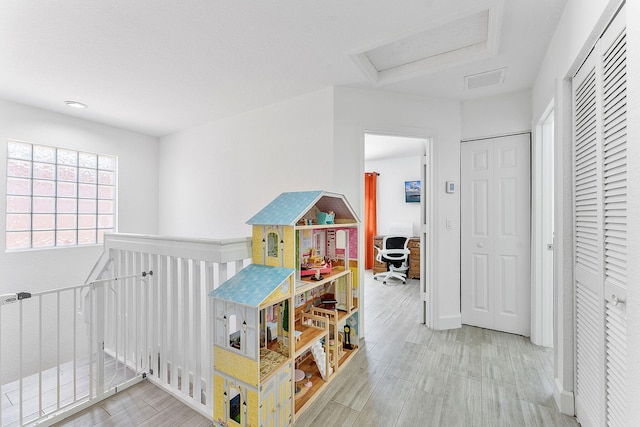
(397, 160)
(495, 233)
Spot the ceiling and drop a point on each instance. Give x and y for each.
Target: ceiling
(160, 66)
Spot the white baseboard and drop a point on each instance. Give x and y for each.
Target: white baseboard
(564, 399)
(449, 322)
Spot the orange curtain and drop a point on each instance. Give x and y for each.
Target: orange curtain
(370, 216)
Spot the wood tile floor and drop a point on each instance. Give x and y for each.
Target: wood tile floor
(409, 375)
(74, 381)
(143, 404)
(405, 375)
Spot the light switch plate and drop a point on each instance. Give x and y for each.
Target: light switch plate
(451, 187)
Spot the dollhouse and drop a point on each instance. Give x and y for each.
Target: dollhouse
(287, 324)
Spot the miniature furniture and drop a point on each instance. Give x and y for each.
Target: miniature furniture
(414, 257)
(283, 319)
(395, 254)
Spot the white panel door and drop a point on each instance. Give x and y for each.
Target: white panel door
(476, 233)
(495, 234)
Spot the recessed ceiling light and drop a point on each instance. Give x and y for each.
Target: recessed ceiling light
(76, 104)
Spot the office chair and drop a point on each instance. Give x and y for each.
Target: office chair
(394, 252)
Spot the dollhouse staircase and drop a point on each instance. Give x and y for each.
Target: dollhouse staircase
(320, 358)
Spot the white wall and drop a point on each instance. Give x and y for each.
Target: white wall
(137, 191)
(216, 176)
(498, 115)
(43, 269)
(358, 111)
(577, 31)
(392, 207)
(575, 35)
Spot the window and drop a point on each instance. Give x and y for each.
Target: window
(58, 197)
(234, 405)
(272, 245)
(234, 332)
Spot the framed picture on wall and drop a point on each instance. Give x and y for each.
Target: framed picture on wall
(412, 191)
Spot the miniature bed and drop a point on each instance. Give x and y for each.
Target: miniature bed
(272, 332)
(310, 271)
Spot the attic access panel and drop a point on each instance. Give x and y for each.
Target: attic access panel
(469, 35)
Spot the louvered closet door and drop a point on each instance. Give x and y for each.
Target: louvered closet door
(589, 292)
(614, 108)
(600, 231)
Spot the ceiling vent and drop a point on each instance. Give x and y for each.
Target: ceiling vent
(468, 36)
(489, 78)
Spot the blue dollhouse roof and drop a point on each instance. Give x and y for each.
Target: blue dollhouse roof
(252, 285)
(288, 208)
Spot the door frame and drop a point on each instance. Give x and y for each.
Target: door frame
(429, 312)
(542, 190)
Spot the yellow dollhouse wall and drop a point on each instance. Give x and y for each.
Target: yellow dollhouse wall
(218, 399)
(253, 408)
(289, 248)
(285, 234)
(236, 366)
(277, 295)
(256, 244)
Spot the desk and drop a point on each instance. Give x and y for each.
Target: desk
(414, 257)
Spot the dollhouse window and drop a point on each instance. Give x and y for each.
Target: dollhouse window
(272, 245)
(234, 332)
(234, 405)
(341, 239)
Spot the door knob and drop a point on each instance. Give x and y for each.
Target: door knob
(615, 300)
(481, 245)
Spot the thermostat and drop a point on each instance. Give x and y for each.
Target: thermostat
(451, 187)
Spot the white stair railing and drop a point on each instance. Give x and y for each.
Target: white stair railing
(177, 334)
(143, 313)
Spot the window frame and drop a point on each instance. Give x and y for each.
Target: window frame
(68, 197)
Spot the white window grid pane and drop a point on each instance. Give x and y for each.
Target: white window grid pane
(19, 150)
(44, 154)
(66, 168)
(88, 160)
(19, 168)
